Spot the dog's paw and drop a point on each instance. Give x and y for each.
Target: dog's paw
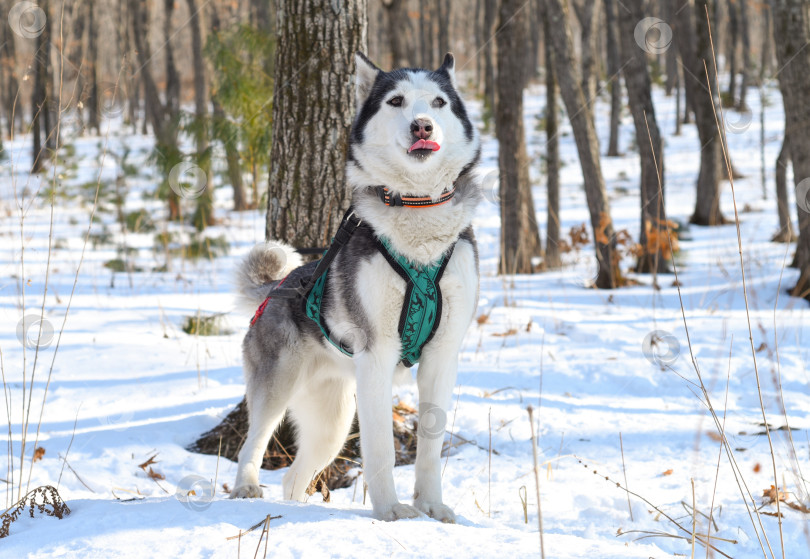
(247, 492)
(438, 511)
(398, 512)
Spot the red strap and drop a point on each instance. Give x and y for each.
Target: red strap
(261, 308)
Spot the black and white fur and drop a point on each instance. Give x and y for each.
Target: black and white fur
(289, 366)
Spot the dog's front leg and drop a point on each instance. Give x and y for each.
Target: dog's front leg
(375, 371)
(435, 379)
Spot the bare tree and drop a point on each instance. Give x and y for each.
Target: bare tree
(307, 195)
(490, 14)
(443, 11)
(613, 69)
(587, 144)
(733, 41)
(204, 214)
(747, 60)
(8, 64)
(697, 56)
(552, 258)
(791, 30)
(520, 238)
(588, 15)
(785, 233)
(398, 28)
(40, 121)
(654, 230)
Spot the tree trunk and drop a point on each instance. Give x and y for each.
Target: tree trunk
(520, 238)
(654, 237)
(588, 15)
(694, 53)
(587, 145)
(398, 25)
(791, 31)
(172, 76)
(8, 61)
(39, 94)
(92, 63)
(552, 259)
(785, 233)
(613, 66)
(672, 53)
(313, 108)
(204, 214)
(443, 7)
(490, 9)
(733, 39)
(747, 61)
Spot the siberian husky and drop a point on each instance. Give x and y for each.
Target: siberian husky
(411, 141)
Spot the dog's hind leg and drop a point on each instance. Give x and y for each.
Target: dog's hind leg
(323, 415)
(267, 402)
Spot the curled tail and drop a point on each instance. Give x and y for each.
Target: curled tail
(265, 264)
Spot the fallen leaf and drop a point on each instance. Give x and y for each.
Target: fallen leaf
(155, 475)
(770, 495)
(398, 418)
(510, 332)
(799, 507)
(757, 468)
(763, 346)
(39, 453)
(714, 436)
(148, 463)
(667, 473)
(226, 488)
(483, 319)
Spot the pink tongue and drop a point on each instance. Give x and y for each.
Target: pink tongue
(424, 144)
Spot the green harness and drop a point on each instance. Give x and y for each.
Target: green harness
(421, 308)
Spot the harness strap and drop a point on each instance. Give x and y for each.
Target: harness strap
(348, 226)
(397, 200)
(422, 307)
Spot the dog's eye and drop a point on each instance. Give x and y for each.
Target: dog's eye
(438, 102)
(396, 101)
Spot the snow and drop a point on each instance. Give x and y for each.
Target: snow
(135, 385)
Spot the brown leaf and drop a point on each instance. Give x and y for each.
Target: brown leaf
(762, 347)
(398, 418)
(510, 332)
(405, 408)
(714, 436)
(757, 468)
(148, 463)
(604, 223)
(770, 495)
(39, 453)
(529, 326)
(779, 514)
(667, 473)
(226, 488)
(483, 319)
(799, 507)
(155, 475)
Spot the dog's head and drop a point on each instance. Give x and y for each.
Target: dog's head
(412, 133)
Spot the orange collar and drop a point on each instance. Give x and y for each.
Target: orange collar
(396, 200)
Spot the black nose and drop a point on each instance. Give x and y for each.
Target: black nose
(422, 128)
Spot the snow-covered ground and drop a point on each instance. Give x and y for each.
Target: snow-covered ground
(135, 385)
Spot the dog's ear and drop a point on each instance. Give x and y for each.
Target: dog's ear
(367, 72)
(449, 67)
